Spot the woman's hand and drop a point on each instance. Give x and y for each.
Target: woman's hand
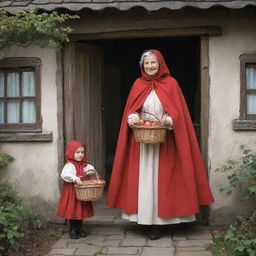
(79, 182)
(133, 119)
(167, 120)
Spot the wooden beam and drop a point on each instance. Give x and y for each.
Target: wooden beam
(171, 32)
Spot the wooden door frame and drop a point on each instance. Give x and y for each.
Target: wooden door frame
(205, 97)
(150, 33)
(68, 92)
(203, 32)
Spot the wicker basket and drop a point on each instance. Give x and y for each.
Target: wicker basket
(149, 134)
(90, 191)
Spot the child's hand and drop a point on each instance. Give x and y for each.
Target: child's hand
(90, 172)
(79, 182)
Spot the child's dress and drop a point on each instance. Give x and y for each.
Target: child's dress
(69, 207)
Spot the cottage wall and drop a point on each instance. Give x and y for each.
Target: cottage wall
(239, 37)
(34, 171)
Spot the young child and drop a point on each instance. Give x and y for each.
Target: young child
(75, 170)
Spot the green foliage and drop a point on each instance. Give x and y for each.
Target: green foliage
(15, 217)
(221, 247)
(5, 159)
(30, 27)
(243, 236)
(242, 174)
(240, 238)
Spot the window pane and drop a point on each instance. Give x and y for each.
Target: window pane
(251, 77)
(28, 82)
(13, 112)
(1, 112)
(1, 84)
(251, 104)
(13, 84)
(28, 111)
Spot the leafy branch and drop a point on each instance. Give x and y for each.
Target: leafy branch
(29, 27)
(242, 174)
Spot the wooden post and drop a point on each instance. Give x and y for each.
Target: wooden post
(204, 97)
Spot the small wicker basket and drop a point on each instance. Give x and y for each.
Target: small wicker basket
(90, 191)
(149, 134)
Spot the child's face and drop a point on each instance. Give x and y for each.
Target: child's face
(79, 154)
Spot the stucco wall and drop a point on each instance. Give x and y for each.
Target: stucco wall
(239, 37)
(34, 171)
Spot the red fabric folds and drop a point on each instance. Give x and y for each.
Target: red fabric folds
(71, 208)
(183, 184)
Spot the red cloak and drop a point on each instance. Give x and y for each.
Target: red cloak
(182, 181)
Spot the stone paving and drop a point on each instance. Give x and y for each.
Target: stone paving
(110, 235)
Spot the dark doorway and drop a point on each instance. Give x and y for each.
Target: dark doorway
(121, 62)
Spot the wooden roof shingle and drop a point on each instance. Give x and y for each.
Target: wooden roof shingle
(150, 5)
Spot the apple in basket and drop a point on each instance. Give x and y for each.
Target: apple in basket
(90, 181)
(154, 123)
(141, 122)
(147, 123)
(94, 181)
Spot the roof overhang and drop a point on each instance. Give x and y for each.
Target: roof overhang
(96, 5)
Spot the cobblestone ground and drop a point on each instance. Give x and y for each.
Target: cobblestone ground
(110, 235)
(103, 240)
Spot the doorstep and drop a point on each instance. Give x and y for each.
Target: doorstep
(104, 215)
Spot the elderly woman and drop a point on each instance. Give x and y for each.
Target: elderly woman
(158, 184)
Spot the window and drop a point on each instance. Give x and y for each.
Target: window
(20, 95)
(248, 87)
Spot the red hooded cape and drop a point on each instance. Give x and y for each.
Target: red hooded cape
(182, 180)
(80, 165)
(69, 207)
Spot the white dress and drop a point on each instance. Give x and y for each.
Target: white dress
(148, 175)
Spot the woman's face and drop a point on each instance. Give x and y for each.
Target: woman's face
(79, 154)
(151, 65)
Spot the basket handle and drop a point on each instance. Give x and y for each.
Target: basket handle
(98, 177)
(149, 114)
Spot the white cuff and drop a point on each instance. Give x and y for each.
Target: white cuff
(131, 117)
(169, 120)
